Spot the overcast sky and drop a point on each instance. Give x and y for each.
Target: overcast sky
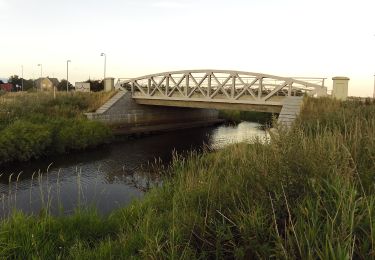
(321, 38)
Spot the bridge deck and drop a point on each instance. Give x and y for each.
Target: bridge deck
(219, 102)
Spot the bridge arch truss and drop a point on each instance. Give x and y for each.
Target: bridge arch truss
(220, 86)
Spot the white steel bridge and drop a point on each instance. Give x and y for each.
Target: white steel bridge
(220, 89)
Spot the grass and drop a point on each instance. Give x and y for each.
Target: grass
(306, 194)
(22, 105)
(37, 124)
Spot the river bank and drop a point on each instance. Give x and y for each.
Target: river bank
(34, 125)
(307, 194)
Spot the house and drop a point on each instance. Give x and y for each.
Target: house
(46, 84)
(6, 87)
(55, 81)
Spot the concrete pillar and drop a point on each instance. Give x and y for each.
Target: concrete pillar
(109, 84)
(340, 87)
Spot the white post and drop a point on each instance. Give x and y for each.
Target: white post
(109, 84)
(340, 87)
(105, 63)
(41, 70)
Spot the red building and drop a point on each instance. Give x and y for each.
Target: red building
(6, 87)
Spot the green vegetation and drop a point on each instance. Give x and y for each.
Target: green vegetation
(307, 194)
(236, 116)
(28, 84)
(35, 124)
(62, 85)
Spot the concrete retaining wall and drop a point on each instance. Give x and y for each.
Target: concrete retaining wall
(131, 117)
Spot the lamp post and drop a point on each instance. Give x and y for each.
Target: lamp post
(41, 70)
(373, 95)
(105, 62)
(67, 75)
(22, 78)
(41, 74)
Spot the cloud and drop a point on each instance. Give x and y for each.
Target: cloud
(170, 4)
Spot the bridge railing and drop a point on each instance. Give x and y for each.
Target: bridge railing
(222, 85)
(316, 81)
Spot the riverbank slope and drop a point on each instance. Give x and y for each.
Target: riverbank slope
(307, 194)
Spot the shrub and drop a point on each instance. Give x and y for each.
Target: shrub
(79, 134)
(23, 140)
(35, 124)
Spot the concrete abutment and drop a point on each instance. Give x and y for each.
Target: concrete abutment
(128, 117)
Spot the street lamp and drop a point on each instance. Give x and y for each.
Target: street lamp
(105, 62)
(41, 70)
(22, 78)
(41, 74)
(67, 75)
(373, 95)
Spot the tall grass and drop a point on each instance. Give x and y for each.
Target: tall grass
(37, 124)
(306, 194)
(14, 106)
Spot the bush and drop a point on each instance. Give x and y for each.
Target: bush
(35, 124)
(23, 140)
(80, 134)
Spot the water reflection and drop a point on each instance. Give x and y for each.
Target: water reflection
(110, 176)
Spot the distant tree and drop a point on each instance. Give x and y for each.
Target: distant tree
(95, 85)
(15, 80)
(28, 84)
(1, 82)
(62, 85)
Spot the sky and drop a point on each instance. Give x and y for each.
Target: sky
(319, 38)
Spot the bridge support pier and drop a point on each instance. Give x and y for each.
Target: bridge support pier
(128, 117)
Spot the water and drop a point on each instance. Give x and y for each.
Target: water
(110, 176)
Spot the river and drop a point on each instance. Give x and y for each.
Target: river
(110, 176)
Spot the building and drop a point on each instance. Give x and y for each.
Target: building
(46, 84)
(6, 87)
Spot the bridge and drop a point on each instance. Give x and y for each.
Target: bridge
(220, 89)
(189, 97)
